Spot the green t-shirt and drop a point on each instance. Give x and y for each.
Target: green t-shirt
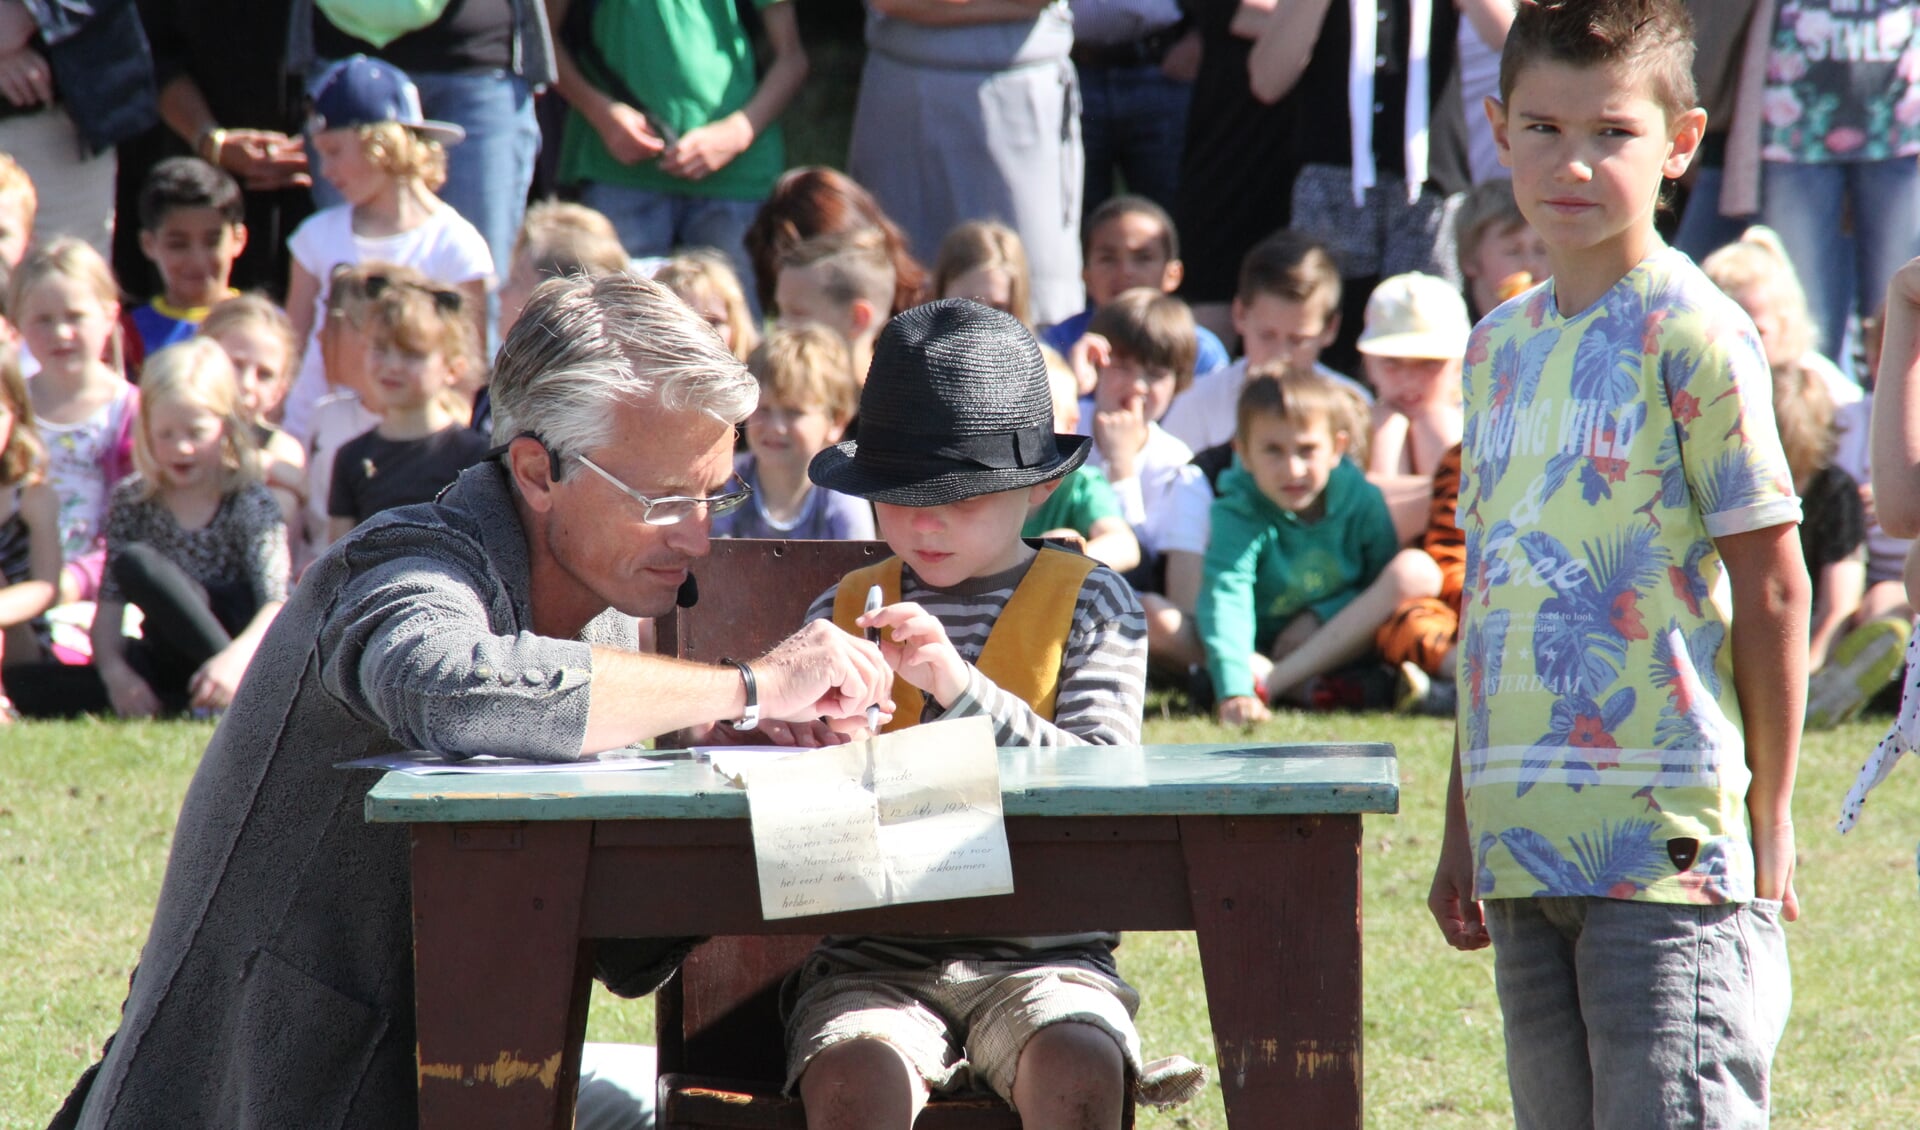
(1083, 499)
(689, 62)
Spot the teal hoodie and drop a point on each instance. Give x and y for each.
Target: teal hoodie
(1266, 565)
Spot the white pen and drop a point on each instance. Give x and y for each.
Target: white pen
(876, 600)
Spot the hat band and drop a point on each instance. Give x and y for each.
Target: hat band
(992, 451)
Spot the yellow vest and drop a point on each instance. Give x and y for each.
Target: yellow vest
(1026, 645)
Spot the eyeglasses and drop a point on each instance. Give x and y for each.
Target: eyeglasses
(674, 509)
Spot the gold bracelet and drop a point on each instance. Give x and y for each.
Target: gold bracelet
(212, 140)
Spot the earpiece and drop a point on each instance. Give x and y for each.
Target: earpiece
(689, 594)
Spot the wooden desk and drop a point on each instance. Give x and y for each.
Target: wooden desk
(1255, 848)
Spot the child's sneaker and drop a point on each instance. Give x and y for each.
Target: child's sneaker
(1366, 686)
(1416, 692)
(1866, 660)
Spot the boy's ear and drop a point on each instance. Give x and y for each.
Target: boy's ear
(862, 313)
(1342, 440)
(239, 238)
(1038, 493)
(1688, 130)
(1172, 276)
(149, 245)
(1333, 328)
(1497, 118)
(1239, 310)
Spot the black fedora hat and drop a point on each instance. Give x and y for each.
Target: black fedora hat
(957, 404)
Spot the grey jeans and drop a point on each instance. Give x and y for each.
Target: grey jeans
(1635, 1014)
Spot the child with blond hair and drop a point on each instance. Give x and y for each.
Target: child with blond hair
(194, 541)
(557, 238)
(985, 261)
(843, 281)
(258, 340)
(29, 531)
(807, 398)
(419, 350)
(705, 281)
(387, 161)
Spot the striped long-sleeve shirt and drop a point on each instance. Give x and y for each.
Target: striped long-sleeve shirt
(1102, 688)
(1102, 674)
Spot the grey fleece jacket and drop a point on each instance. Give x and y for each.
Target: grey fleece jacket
(276, 986)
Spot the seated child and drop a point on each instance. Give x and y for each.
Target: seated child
(807, 395)
(1297, 534)
(30, 559)
(985, 261)
(19, 203)
(258, 339)
(1412, 345)
(351, 404)
(1420, 638)
(1142, 346)
(1755, 272)
(194, 540)
(1499, 253)
(704, 280)
(419, 347)
(192, 228)
(1130, 242)
(843, 282)
(557, 238)
(1286, 308)
(878, 1024)
(1084, 508)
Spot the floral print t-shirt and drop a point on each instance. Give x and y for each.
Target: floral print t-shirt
(1600, 737)
(1843, 82)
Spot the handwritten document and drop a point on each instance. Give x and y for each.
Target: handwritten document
(911, 816)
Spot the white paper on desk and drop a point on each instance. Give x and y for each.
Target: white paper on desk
(422, 764)
(733, 761)
(912, 816)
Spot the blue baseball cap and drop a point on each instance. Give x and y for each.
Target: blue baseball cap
(359, 91)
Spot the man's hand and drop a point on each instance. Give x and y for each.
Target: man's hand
(1243, 710)
(706, 150)
(1773, 865)
(264, 160)
(916, 646)
(25, 77)
(1181, 63)
(627, 134)
(821, 672)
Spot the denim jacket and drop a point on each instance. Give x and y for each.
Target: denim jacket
(102, 67)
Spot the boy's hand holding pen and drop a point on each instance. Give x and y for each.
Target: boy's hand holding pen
(914, 643)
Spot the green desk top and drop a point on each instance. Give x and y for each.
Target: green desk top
(1156, 780)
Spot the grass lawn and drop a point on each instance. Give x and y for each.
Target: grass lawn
(87, 811)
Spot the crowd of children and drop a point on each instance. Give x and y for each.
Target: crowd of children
(1528, 520)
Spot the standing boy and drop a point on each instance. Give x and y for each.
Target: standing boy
(192, 228)
(1618, 819)
(1297, 534)
(956, 443)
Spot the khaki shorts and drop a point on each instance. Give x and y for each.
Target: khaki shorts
(958, 1022)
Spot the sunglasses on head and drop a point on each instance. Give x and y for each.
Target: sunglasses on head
(448, 300)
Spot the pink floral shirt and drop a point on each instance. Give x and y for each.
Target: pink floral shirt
(1843, 82)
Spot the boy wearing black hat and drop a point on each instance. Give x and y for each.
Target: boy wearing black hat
(956, 444)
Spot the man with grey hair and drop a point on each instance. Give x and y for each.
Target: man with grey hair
(276, 987)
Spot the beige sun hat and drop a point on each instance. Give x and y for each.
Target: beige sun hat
(1416, 315)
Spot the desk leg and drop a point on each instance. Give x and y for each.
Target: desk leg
(501, 1002)
(1276, 906)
